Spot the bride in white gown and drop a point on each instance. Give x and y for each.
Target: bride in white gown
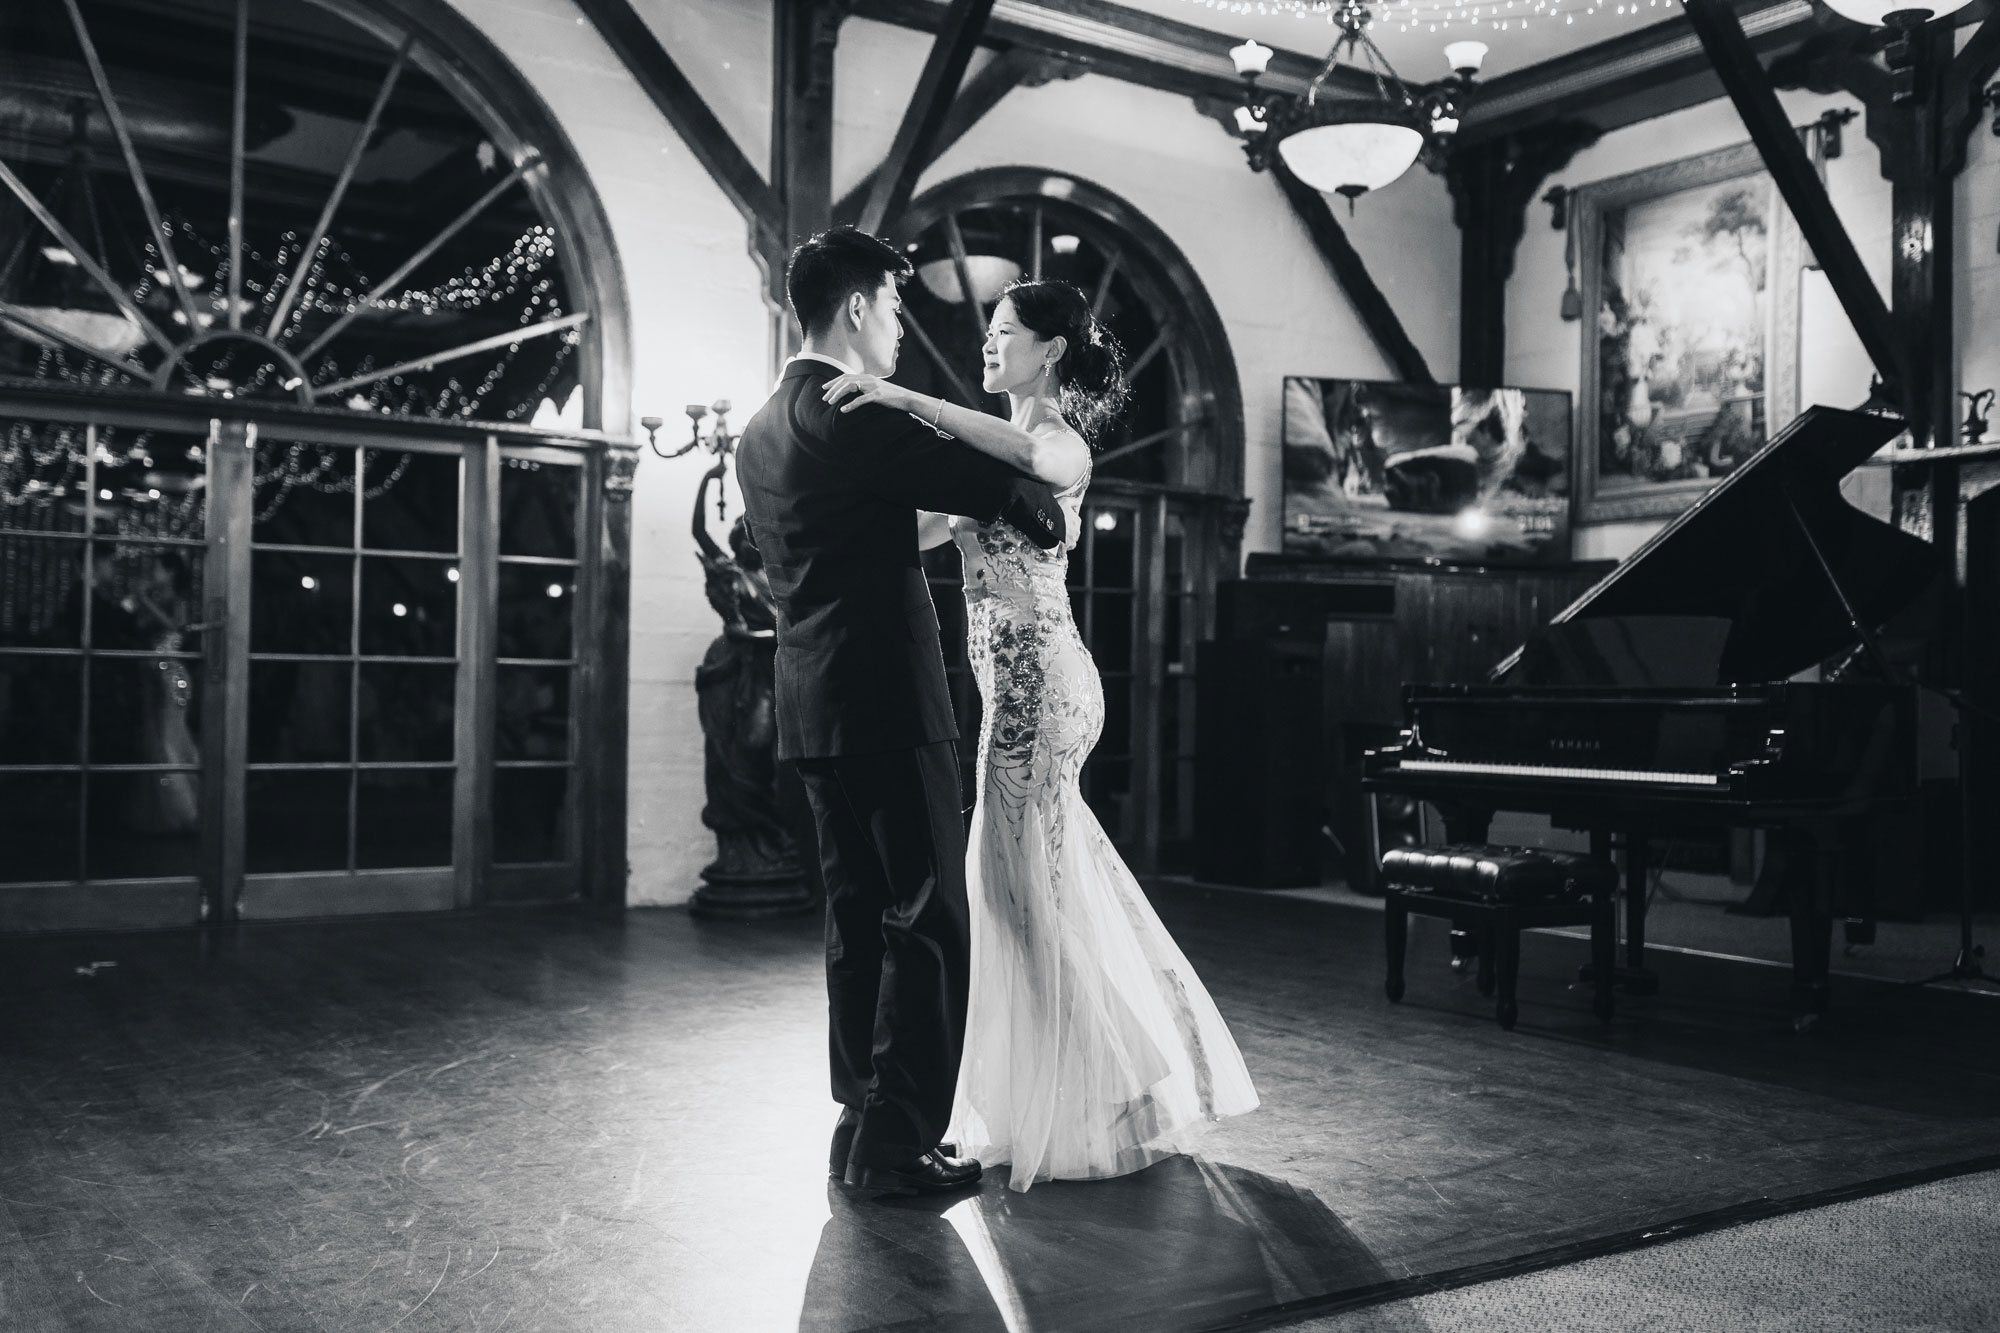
(1090, 1043)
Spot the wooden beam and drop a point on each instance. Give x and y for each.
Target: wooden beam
(936, 87)
(1493, 184)
(1330, 239)
(662, 81)
(804, 35)
(1743, 78)
(1631, 77)
(1923, 239)
(1124, 43)
(1964, 93)
(1008, 70)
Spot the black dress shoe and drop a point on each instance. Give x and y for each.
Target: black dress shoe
(932, 1173)
(843, 1139)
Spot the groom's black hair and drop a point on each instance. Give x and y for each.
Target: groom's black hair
(831, 266)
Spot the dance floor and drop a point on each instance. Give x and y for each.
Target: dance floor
(545, 1120)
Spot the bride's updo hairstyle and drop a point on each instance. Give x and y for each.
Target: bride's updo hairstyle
(1090, 377)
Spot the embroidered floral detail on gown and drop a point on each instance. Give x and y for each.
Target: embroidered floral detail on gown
(1089, 1041)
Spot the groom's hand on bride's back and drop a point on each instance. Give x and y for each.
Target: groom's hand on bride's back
(1031, 507)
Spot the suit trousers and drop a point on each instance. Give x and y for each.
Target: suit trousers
(892, 854)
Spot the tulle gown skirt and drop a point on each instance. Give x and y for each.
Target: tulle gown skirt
(1090, 1043)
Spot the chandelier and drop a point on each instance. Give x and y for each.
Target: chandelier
(1351, 145)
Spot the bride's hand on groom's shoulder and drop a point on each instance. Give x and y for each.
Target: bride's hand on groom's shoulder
(851, 391)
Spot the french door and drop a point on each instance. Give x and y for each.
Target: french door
(273, 668)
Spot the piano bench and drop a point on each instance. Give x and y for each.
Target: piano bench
(1495, 893)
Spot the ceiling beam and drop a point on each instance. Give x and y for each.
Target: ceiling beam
(1756, 101)
(1008, 70)
(1351, 272)
(1122, 43)
(662, 81)
(1627, 79)
(937, 86)
(1632, 77)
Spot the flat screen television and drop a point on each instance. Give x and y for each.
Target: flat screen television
(1378, 470)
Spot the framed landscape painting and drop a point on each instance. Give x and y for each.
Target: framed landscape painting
(1690, 275)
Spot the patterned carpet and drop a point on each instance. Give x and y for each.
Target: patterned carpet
(1917, 1261)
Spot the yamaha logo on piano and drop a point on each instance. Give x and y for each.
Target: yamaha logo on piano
(1574, 745)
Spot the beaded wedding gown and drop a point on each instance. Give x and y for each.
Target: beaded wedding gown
(1089, 1041)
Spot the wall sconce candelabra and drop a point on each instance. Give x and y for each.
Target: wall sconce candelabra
(719, 440)
(1351, 145)
(1977, 405)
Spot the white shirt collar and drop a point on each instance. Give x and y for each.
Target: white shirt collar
(841, 366)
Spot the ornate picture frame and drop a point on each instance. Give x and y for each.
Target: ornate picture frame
(1690, 346)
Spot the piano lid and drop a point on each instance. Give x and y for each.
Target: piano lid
(1740, 557)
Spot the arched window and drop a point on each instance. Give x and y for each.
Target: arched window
(298, 617)
(313, 202)
(1164, 514)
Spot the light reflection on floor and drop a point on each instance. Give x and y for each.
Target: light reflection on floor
(1185, 1244)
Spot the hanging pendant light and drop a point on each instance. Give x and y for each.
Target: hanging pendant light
(1895, 13)
(1350, 145)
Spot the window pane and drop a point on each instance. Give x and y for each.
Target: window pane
(535, 610)
(1111, 547)
(295, 821)
(145, 710)
(409, 608)
(406, 712)
(409, 502)
(405, 819)
(144, 596)
(1116, 739)
(1111, 632)
(38, 813)
(305, 494)
(41, 710)
(301, 603)
(143, 825)
(41, 593)
(532, 717)
(538, 508)
(42, 476)
(151, 483)
(298, 712)
(531, 814)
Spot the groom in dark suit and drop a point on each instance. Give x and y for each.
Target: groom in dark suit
(832, 501)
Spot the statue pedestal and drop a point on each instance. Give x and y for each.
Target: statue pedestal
(742, 897)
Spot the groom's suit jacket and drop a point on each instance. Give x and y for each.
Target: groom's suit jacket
(831, 499)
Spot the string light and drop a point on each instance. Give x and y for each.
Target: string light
(1439, 15)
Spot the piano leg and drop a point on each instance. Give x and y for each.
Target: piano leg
(1395, 931)
(1634, 976)
(1505, 939)
(1812, 923)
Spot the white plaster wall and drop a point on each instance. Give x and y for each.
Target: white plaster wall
(1283, 312)
(1544, 352)
(699, 332)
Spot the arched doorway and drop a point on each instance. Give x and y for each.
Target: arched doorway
(297, 614)
(1165, 510)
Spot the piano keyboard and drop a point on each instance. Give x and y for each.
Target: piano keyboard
(1558, 773)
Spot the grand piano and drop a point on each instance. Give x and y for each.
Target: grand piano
(1663, 700)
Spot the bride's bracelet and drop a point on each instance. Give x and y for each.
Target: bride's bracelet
(936, 418)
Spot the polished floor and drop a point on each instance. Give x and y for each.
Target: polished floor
(550, 1121)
